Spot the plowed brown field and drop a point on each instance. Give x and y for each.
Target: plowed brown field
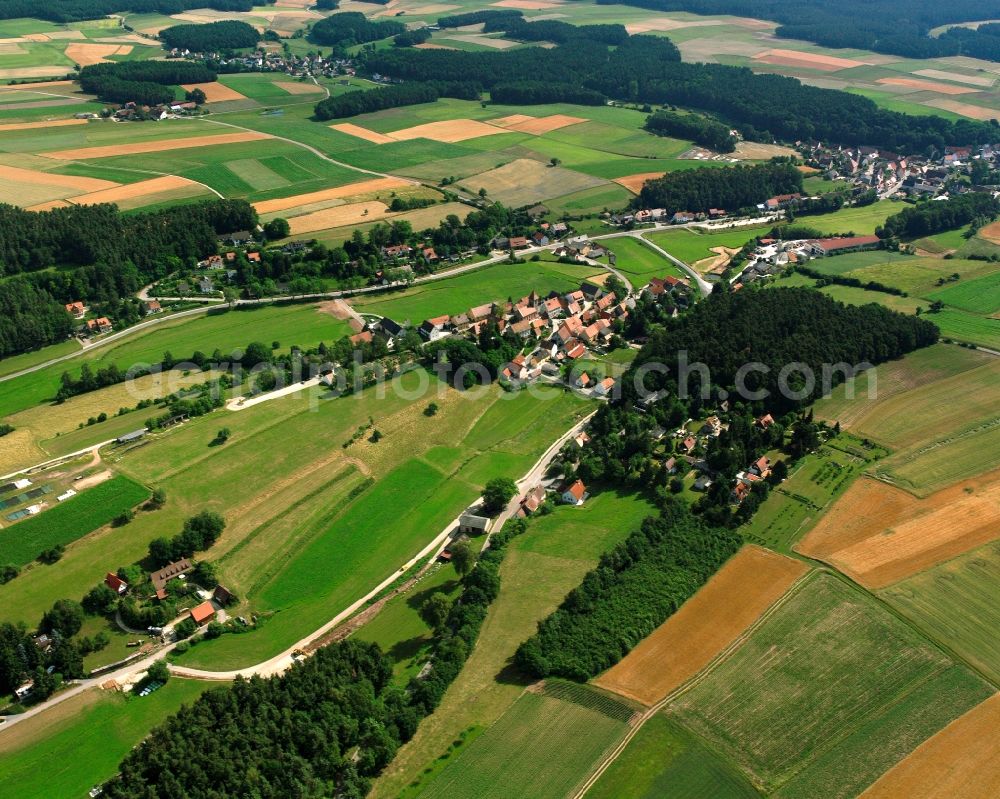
(743, 589)
(877, 534)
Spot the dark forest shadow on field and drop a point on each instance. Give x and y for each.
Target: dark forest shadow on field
(406, 650)
(417, 598)
(510, 674)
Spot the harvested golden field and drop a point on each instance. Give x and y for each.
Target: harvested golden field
(350, 214)
(215, 92)
(927, 85)
(449, 131)
(34, 176)
(164, 145)
(634, 183)
(295, 87)
(536, 126)
(48, 123)
(722, 610)
(86, 54)
(48, 206)
(965, 109)
(957, 77)
(142, 193)
(796, 58)
(877, 534)
(340, 192)
(667, 24)
(959, 761)
(362, 133)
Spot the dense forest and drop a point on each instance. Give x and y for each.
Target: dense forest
(935, 217)
(224, 35)
(351, 28)
(554, 30)
(647, 69)
(110, 256)
(538, 92)
(701, 130)
(364, 101)
(897, 27)
(78, 10)
(142, 82)
(789, 326)
(490, 16)
(730, 188)
(323, 728)
(632, 591)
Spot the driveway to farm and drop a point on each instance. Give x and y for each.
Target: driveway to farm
(279, 663)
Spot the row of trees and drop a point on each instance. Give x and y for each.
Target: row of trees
(199, 533)
(63, 11)
(934, 217)
(142, 82)
(205, 38)
(365, 101)
(647, 69)
(634, 589)
(730, 188)
(701, 130)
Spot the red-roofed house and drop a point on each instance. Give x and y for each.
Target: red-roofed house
(575, 494)
(76, 309)
(845, 244)
(203, 613)
(115, 583)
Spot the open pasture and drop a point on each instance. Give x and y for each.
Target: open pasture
(955, 603)
(958, 761)
(490, 284)
(878, 534)
(165, 145)
(860, 221)
(639, 263)
(665, 760)
(716, 616)
(575, 721)
(526, 181)
(80, 742)
(979, 295)
(874, 688)
(692, 246)
(338, 542)
(916, 276)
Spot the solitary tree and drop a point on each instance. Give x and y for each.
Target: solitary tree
(434, 611)
(462, 558)
(497, 493)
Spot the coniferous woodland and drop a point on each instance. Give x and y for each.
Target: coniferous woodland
(78, 10)
(365, 101)
(107, 256)
(701, 130)
(554, 30)
(647, 69)
(635, 587)
(935, 217)
(351, 28)
(897, 27)
(142, 82)
(725, 187)
(224, 35)
(491, 16)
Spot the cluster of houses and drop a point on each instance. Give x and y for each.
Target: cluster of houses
(774, 256)
(891, 174)
(100, 325)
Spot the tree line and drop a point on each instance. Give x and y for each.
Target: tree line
(554, 30)
(364, 101)
(350, 28)
(538, 92)
(927, 218)
(142, 82)
(490, 16)
(63, 11)
(730, 188)
(884, 26)
(223, 35)
(701, 130)
(634, 588)
(648, 69)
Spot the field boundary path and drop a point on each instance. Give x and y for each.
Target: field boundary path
(615, 753)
